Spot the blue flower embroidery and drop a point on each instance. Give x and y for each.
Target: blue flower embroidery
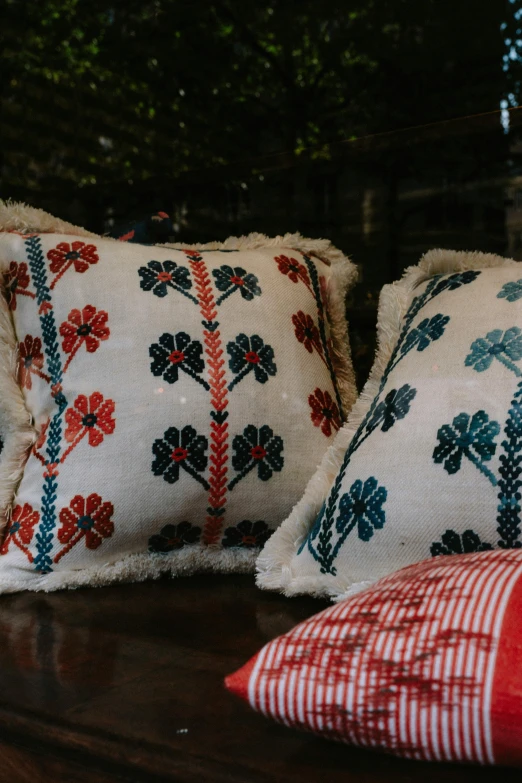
(453, 543)
(180, 449)
(472, 437)
(250, 354)
(159, 277)
(172, 537)
(504, 346)
(229, 279)
(395, 406)
(362, 506)
(429, 330)
(511, 291)
(452, 282)
(257, 448)
(247, 534)
(175, 352)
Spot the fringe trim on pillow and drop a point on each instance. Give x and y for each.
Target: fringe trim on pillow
(276, 568)
(16, 426)
(15, 216)
(135, 568)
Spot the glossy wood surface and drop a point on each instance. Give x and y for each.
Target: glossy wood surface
(126, 683)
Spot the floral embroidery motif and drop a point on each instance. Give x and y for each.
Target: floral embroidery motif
(21, 529)
(453, 543)
(307, 332)
(362, 507)
(65, 255)
(17, 282)
(173, 537)
(30, 362)
(158, 277)
(394, 407)
(511, 291)
(257, 448)
(250, 354)
(325, 413)
(291, 267)
(88, 518)
(91, 416)
(247, 534)
(87, 326)
(510, 472)
(504, 346)
(229, 279)
(175, 352)
(472, 437)
(426, 332)
(180, 449)
(454, 281)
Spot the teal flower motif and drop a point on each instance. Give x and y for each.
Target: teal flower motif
(229, 279)
(257, 448)
(429, 330)
(362, 506)
(471, 437)
(511, 291)
(504, 346)
(250, 354)
(453, 543)
(452, 282)
(395, 406)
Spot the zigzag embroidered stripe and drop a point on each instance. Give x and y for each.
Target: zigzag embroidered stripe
(219, 445)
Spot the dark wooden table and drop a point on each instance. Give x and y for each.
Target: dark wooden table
(126, 683)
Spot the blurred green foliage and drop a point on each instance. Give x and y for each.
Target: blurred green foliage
(93, 90)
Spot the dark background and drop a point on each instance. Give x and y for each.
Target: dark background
(388, 126)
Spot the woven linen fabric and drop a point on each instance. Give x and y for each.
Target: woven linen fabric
(163, 407)
(430, 460)
(425, 664)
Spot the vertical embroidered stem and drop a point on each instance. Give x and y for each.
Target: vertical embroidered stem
(312, 271)
(44, 536)
(218, 470)
(510, 483)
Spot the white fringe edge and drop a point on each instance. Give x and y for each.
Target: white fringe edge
(275, 569)
(15, 216)
(16, 425)
(137, 568)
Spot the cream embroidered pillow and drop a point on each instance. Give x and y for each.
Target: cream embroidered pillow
(430, 461)
(174, 401)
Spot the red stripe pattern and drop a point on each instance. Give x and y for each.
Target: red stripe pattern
(408, 666)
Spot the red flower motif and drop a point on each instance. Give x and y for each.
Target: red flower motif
(84, 326)
(21, 529)
(307, 332)
(31, 360)
(88, 518)
(292, 268)
(64, 255)
(92, 416)
(16, 281)
(325, 413)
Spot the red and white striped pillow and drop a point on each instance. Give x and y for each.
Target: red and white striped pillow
(425, 664)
